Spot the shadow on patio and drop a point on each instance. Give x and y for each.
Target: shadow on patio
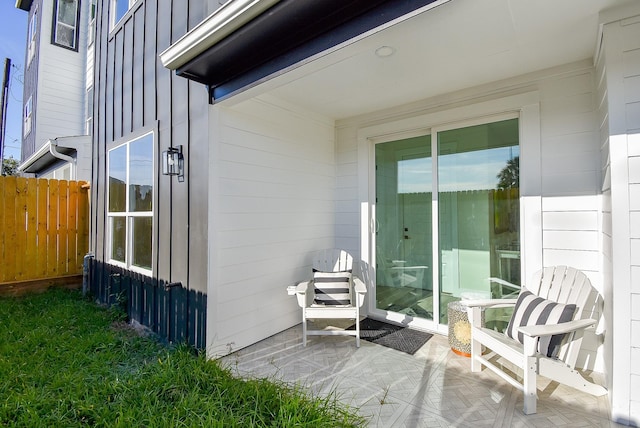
(432, 388)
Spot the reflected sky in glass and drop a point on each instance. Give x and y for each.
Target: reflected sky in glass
(474, 170)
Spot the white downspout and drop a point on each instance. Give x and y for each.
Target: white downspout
(55, 153)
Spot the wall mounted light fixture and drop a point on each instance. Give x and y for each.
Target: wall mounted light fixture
(173, 162)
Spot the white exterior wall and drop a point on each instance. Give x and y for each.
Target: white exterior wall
(619, 76)
(61, 87)
(272, 185)
(561, 214)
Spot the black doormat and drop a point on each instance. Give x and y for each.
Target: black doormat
(392, 336)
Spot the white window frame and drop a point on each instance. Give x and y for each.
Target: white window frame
(130, 215)
(28, 117)
(31, 38)
(88, 113)
(92, 22)
(114, 8)
(75, 27)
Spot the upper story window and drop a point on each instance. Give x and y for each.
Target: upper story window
(65, 23)
(130, 205)
(119, 8)
(28, 113)
(92, 22)
(88, 112)
(31, 42)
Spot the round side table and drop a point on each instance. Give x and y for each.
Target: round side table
(460, 328)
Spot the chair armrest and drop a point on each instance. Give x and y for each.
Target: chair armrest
(301, 293)
(489, 303)
(360, 290)
(301, 288)
(549, 330)
(358, 286)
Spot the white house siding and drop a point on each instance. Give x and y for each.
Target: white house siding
(619, 76)
(569, 172)
(61, 86)
(273, 178)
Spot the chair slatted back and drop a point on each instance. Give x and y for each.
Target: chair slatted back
(567, 285)
(332, 260)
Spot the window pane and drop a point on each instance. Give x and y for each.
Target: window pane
(142, 239)
(67, 11)
(478, 200)
(121, 7)
(65, 36)
(118, 238)
(117, 179)
(141, 174)
(403, 227)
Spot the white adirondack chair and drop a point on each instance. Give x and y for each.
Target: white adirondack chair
(559, 284)
(337, 303)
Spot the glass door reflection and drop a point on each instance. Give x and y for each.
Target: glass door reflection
(403, 227)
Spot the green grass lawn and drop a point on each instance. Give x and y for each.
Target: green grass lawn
(64, 361)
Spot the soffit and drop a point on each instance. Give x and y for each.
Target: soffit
(457, 45)
(288, 32)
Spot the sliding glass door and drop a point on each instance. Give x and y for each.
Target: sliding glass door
(453, 233)
(403, 227)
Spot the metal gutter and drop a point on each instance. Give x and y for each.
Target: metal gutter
(224, 21)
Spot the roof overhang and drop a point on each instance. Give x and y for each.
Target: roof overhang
(52, 152)
(248, 40)
(24, 4)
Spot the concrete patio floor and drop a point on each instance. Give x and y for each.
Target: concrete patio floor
(433, 388)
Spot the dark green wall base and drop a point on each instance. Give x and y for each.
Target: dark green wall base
(173, 312)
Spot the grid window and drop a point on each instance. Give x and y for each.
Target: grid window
(31, 42)
(130, 204)
(65, 25)
(28, 113)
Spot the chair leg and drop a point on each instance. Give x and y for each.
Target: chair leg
(476, 350)
(476, 347)
(529, 384)
(304, 331)
(357, 332)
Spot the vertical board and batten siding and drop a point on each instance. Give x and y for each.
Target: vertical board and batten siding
(274, 181)
(134, 93)
(570, 167)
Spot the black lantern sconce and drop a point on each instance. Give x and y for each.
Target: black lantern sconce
(173, 162)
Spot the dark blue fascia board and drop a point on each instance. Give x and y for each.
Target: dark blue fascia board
(286, 34)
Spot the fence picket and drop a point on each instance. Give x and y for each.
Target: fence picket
(63, 243)
(30, 254)
(20, 244)
(9, 264)
(42, 216)
(52, 232)
(72, 227)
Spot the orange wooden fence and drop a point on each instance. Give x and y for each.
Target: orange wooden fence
(44, 228)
